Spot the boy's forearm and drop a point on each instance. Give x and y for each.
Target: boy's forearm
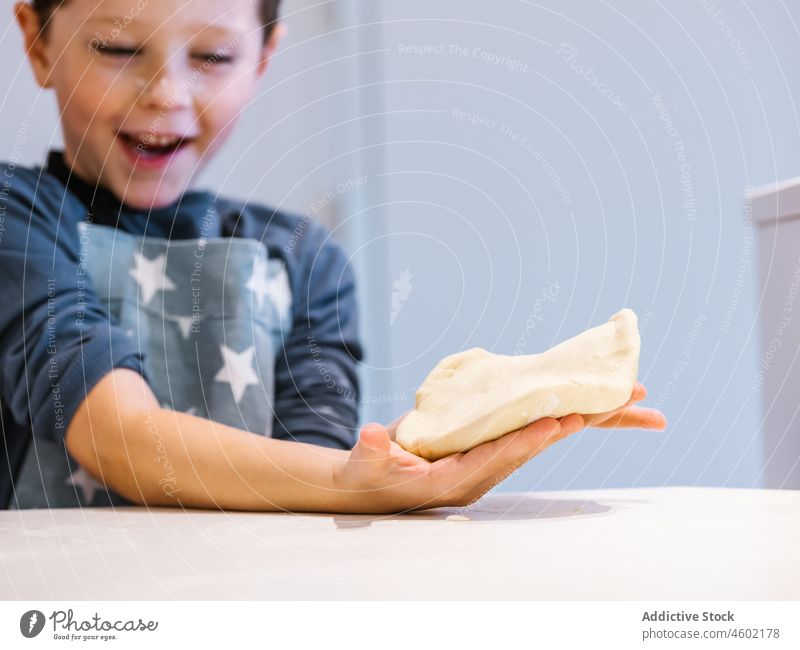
(157, 456)
(190, 461)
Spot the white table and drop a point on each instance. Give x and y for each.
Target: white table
(649, 543)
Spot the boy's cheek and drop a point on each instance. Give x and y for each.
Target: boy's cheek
(219, 117)
(88, 91)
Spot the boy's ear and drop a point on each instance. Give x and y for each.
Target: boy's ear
(278, 32)
(35, 48)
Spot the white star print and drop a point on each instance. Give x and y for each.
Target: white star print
(151, 276)
(277, 287)
(184, 324)
(237, 370)
(280, 293)
(82, 479)
(258, 282)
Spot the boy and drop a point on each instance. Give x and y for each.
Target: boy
(162, 346)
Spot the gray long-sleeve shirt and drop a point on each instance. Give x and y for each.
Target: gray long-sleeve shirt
(236, 312)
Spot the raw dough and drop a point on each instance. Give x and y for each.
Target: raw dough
(475, 396)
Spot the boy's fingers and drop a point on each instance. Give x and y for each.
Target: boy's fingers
(512, 451)
(636, 417)
(540, 435)
(481, 468)
(508, 452)
(599, 419)
(637, 395)
(571, 424)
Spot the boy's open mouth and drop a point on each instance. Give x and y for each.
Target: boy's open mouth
(152, 145)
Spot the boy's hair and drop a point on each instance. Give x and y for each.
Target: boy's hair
(268, 10)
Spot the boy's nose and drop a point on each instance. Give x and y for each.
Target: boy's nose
(166, 91)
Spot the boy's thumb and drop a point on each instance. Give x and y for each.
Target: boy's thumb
(374, 440)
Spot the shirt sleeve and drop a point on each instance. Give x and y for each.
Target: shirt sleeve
(56, 338)
(316, 378)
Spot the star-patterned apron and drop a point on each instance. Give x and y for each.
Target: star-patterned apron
(209, 315)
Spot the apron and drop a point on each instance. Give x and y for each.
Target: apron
(209, 315)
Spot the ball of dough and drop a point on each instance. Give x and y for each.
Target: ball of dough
(476, 396)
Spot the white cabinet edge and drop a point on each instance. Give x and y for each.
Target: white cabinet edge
(776, 202)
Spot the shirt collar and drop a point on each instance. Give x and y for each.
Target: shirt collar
(103, 205)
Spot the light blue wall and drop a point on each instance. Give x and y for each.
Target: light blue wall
(598, 196)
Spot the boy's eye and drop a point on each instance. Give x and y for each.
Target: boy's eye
(116, 51)
(215, 58)
(124, 52)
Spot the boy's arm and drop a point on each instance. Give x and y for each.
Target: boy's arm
(56, 339)
(155, 456)
(159, 457)
(316, 380)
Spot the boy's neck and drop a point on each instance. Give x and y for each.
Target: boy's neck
(93, 195)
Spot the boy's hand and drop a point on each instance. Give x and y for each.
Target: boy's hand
(628, 416)
(380, 476)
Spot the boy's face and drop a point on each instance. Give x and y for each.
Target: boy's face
(131, 74)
